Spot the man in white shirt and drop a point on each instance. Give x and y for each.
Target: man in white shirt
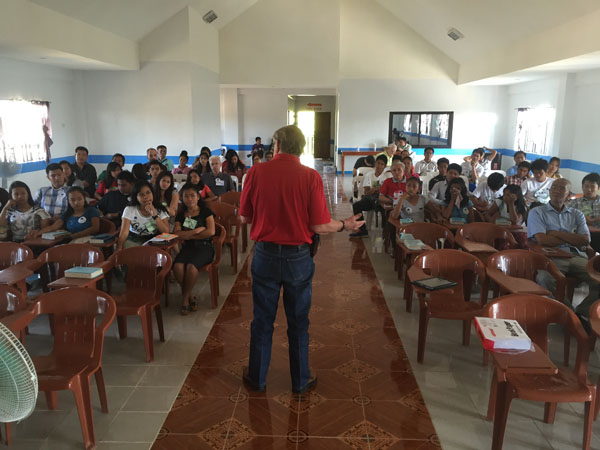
(537, 190)
(437, 195)
(487, 191)
(472, 169)
(427, 165)
(371, 183)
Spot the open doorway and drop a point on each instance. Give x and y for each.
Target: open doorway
(315, 116)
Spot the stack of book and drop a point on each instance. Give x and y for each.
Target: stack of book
(503, 221)
(410, 242)
(53, 235)
(83, 272)
(458, 220)
(101, 238)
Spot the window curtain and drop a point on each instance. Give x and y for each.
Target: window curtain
(46, 127)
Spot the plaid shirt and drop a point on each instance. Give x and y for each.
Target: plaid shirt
(515, 180)
(53, 201)
(587, 207)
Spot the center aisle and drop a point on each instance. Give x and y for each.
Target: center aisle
(366, 397)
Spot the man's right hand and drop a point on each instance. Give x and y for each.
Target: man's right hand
(352, 223)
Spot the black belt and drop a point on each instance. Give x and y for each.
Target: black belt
(277, 247)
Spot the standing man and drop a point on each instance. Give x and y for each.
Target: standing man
(84, 171)
(286, 205)
(162, 158)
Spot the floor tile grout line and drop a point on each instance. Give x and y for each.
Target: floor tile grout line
(231, 420)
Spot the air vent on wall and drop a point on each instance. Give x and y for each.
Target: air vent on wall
(455, 34)
(209, 16)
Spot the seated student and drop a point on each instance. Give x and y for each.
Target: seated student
(412, 204)
(151, 155)
(472, 169)
(486, 156)
(195, 178)
(388, 152)
(53, 198)
(80, 219)
(218, 182)
(114, 202)
(24, 218)
(589, 204)
(363, 161)
(139, 172)
(510, 207)
(557, 225)
(182, 167)
(537, 190)
(437, 195)
(118, 158)
(442, 167)
(553, 166)
(522, 174)
(143, 219)
(269, 155)
(256, 159)
(233, 166)
(165, 193)
(154, 169)
(69, 175)
(162, 158)
(487, 191)
(403, 145)
(457, 204)
(372, 183)
(201, 163)
(409, 169)
(196, 225)
(393, 188)
(519, 157)
(113, 169)
(427, 165)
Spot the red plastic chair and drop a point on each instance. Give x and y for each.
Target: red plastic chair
(146, 268)
(11, 254)
(212, 268)
(429, 233)
(593, 268)
(595, 326)
(452, 303)
(77, 351)
(227, 216)
(485, 233)
(53, 262)
(534, 313)
(234, 198)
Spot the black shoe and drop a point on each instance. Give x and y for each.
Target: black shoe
(312, 382)
(251, 384)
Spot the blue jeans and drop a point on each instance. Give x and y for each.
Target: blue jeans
(274, 266)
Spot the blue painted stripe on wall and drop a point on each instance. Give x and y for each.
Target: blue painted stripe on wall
(439, 151)
(572, 164)
(41, 165)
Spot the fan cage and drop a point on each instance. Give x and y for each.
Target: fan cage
(18, 379)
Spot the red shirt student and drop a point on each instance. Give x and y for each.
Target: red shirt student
(394, 187)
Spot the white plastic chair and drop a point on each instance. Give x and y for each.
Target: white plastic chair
(425, 179)
(180, 178)
(497, 171)
(357, 181)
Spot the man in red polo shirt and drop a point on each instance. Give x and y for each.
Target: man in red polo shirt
(394, 187)
(286, 205)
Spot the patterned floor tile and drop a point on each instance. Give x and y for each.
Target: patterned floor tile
(357, 370)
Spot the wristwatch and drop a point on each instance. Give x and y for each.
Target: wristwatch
(155, 217)
(343, 226)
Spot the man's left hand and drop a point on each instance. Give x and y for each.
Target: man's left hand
(353, 224)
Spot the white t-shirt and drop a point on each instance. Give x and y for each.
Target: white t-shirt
(484, 192)
(415, 212)
(142, 225)
(373, 181)
(466, 169)
(423, 167)
(437, 195)
(504, 213)
(537, 191)
(487, 166)
(22, 222)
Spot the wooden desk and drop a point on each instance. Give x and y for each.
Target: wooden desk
(549, 252)
(477, 247)
(44, 243)
(68, 282)
(514, 285)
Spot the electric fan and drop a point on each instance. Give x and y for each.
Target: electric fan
(18, 379)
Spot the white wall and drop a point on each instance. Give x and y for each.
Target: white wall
(282, 43)
(376, 44)
(262, 112)
(29, 81)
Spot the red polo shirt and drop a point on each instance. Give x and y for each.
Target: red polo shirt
(392, 189)
(283, 199)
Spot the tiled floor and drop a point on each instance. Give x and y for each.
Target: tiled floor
(452, 380)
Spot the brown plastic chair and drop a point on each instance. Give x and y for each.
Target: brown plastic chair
(77, 351)
(107, 226)
(146, 268)
(485, 233)
(12, 300)
(234, 198)
(212, 268)
(429, 233)
(595, 326)
(11, 254)
(53, 262)
(534, 313)
(452, 303)
(226, 215)
(593, 268)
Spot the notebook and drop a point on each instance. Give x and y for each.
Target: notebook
(434, 283)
